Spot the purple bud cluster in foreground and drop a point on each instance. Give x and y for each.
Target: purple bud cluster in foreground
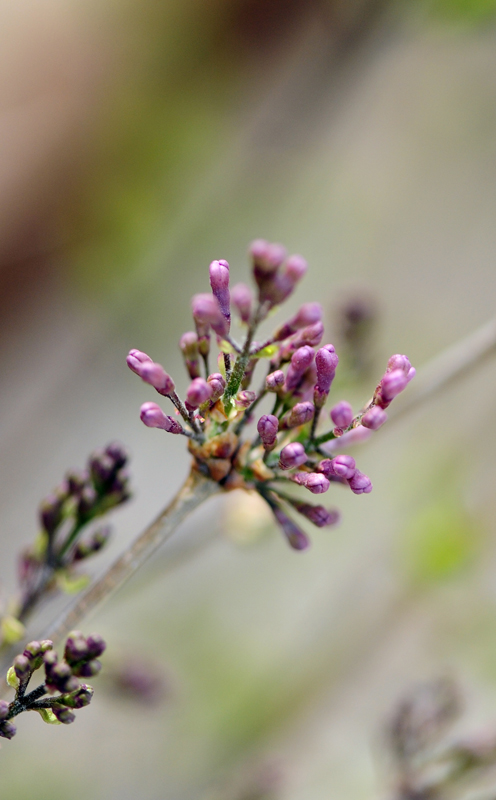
(65, 693)
(268, 439)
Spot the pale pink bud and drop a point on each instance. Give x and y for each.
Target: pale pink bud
(392, 384)
(315, 482)
(374, 418)
(342, 414)
(153, 417)
(274, 381)
(242, 299)
(156, 376)
(293, 455)
(399, 362)
(135, 360)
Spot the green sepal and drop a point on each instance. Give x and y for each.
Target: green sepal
(267, 352)
(225, 347)
(12, 678)
(48, 716)
(71, 584)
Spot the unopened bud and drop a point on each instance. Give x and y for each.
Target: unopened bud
(219, 282)
(274, 381)
(153, 417)
(300, 414)
(315, 482)
(135, 360)
(342, 414)
(267, 427)
(156, 376)
(307, 314)
(199, 391)
(7, 730)
(295, 536)
(245, 398)
(374, 418)
(188, 344)
(217, 383)
(360, 483)
(293, 455)
(392, 384)
(326, 362)
(320, 516)
(342, 467)
(242, 300)
(207, 312)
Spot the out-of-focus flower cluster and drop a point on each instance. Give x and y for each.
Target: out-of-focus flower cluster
(65, 516)
(66, 693)
(288, 448)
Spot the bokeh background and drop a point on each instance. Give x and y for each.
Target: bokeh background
(138, 141)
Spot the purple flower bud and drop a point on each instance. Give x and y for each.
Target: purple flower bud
(242, 299)
(342, 414)
(96, 645)
(4, 709)
(300, 361)
(217, 383)
(117, 453)
(267, 427)
(320, 516)
(76, 480)
(295, 536)
(307, 314)
(326, 362)
(296, 267)
(153, 417)
(360, 483)
(315, 482)
(392, 384)
(101, 466)
(50, 513)
(76, 648)
(80, 698)
(63, 715)
(293, 455)
(207, 312)
(340, 467)
(311, 335)
(188, 344)
(199, 391)
(267, 258)
(7, 730)
(219, 282)
(88, 669)
(274, 381)
(399, 362)
(411, 374)
(300, 414)
(88, 500)
(136, 359)
(21, 666)
(374, 418)
(245, 398)
(156, 376)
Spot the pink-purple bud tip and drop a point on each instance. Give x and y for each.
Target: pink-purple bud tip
(219, 282)
(293, 455)
(342, 414)
(360, 483)
(156, 376)
(340, 467)
(153, 417)
(199, 391)
(315, 482)
(274, 381)
(136, 359)
(267, 427)
(374, 418)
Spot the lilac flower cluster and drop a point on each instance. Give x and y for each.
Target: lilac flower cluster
(217, 406)
(61, 680)
(65, 515)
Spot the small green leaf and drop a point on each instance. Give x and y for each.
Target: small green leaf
(12, 629)
(48, 716)
(12, 678)
(40, 545)
(267, 352)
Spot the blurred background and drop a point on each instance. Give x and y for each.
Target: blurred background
(139, 141)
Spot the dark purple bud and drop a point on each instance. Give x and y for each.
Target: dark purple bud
(21, 666)
(199, 391)
(267, 427)
(392, 384)
(7, 730)
(293, 455)
(153, 417)
(399, 362)
(219, 282)
(136, 359)
(300, 414)
(342, 414)
(102, 467)
(320, 516)
(242, 299)
(88, 500)
(217, 383)
(326, 362)
(51, 513)
(295, 536)
(4, 709)
(307, 314)
(76, 480)
(80, 698)
(245, 398)
(59, 676)
(35, 651)
(63, 715)
(117, 453)
(315, 482)
(342, 467)
(76, 648)
(360, 483)
(87, 670)
(274, 381)
(96, 645)
(207, 312)
(156, 376)
(190, 350)
(374, 418)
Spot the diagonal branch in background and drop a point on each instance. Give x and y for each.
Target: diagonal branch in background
(452, 364)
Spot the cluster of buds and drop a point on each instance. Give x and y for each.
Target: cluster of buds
(65, 517)
(65, 693)
(288, 447)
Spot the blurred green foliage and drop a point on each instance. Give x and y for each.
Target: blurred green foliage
(464, 11)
